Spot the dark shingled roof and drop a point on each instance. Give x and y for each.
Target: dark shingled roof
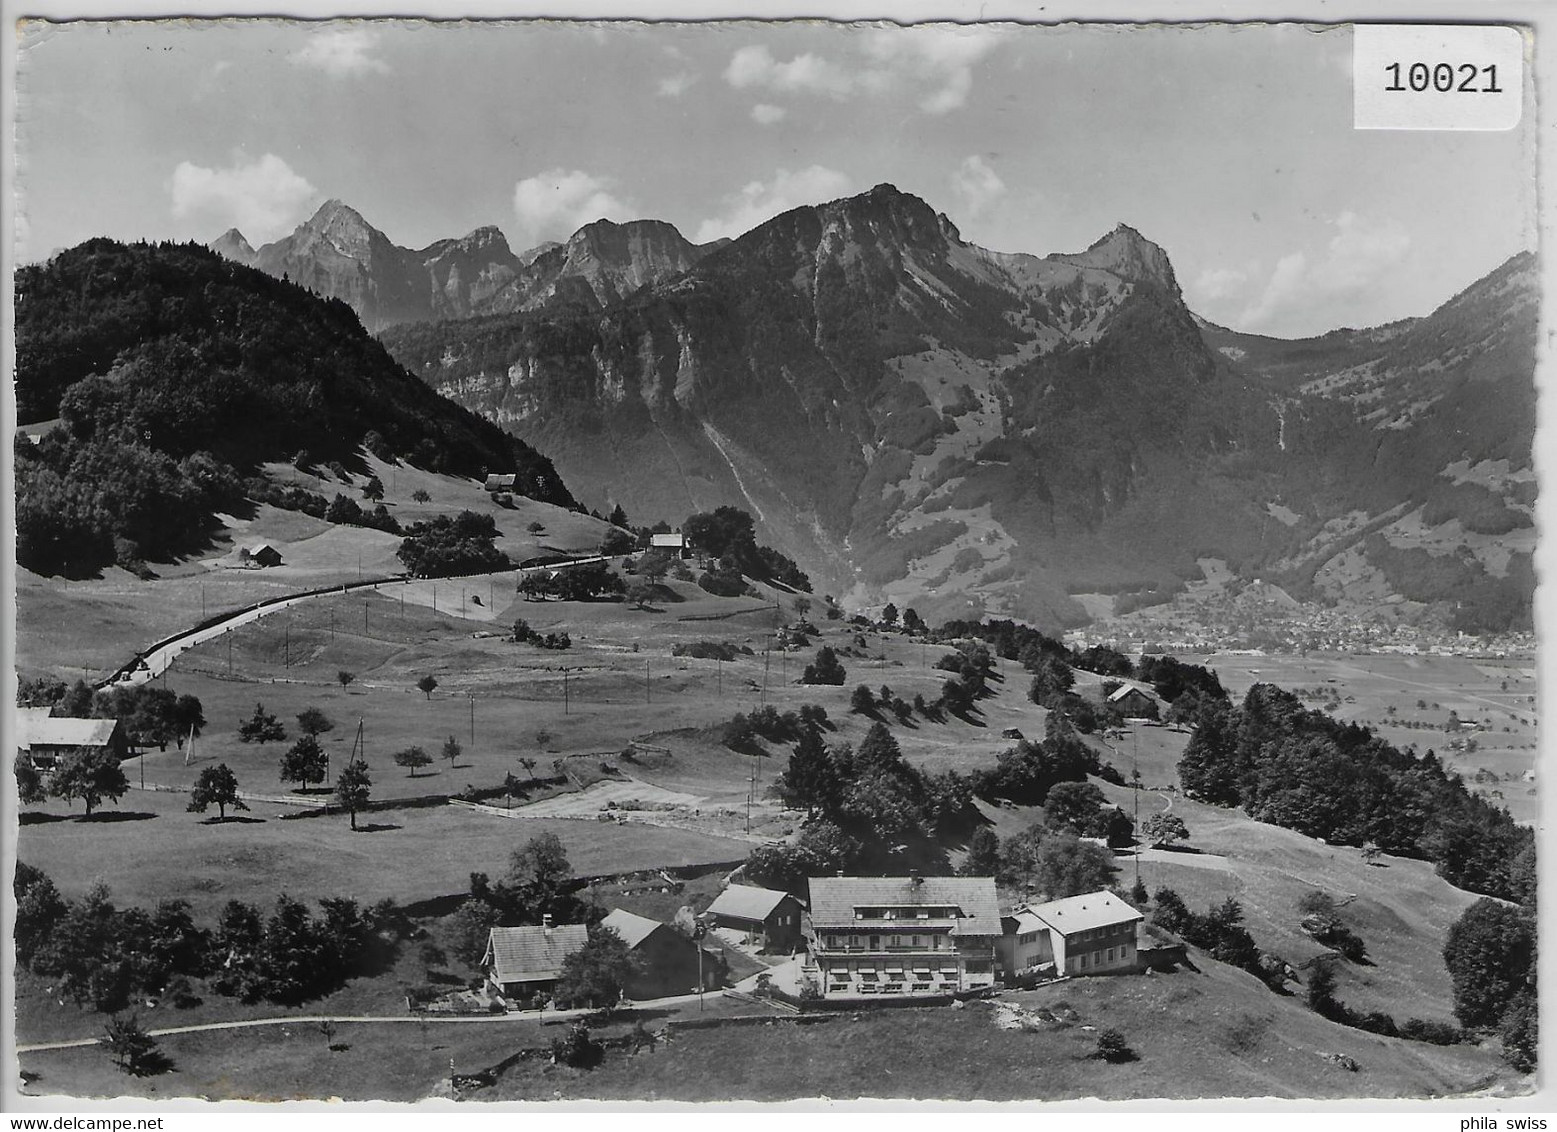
(746, 902)
(532, 953)
(833, 899)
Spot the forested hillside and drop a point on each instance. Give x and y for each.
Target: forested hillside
(175, 372)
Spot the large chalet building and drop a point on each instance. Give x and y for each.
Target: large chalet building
(1091, 934)
(900, 936)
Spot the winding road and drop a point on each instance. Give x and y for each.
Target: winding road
(154, 661)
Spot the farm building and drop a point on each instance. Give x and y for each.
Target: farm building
(260, 554)
(46, 740)
(674, 541)
(900, 936)
(1136, 700)
(508, 481)
(765, 915)
(528, 959)
(670, 960)
(1092, 934)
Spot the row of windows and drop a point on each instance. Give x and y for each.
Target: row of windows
(1098, 958)
(911, 912)
(1099, 933)
(874, 942)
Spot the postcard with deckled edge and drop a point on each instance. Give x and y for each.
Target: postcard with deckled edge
(754, 561)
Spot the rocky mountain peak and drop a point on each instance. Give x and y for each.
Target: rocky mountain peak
(234, 246)
(1129, 255)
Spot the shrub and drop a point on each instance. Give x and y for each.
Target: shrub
(576, 1048)
(1113, 1048)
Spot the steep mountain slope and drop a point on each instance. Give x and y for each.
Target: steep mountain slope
(918, 418)
(1416, 443)
(896, 406)
(176, 373)
(338, 254)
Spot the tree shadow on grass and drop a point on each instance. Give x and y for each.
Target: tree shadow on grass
(233, 819)
(34, 817)
(116, 815)
(377, 827)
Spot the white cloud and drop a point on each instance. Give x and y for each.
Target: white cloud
(341, 52)
(1308, 293)
(674, 86)
(263, 199)
(760, 201)
(756, 67)
(933, 65)
(765, 115)
(557, 202)
(1217, 284)
(977, 185)
(936, 61)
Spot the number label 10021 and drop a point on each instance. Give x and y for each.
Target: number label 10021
(1445, 78)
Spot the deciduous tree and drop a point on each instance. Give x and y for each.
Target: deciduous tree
(353, 788)
(218, 786)
(412, 757)
(91, 774)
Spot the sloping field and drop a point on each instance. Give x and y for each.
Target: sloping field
(1400, 907)
(149, 849)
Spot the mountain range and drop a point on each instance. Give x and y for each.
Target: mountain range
(916, 418)
(338, 254)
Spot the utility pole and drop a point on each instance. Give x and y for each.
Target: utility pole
(332, 623)
(564, 689)
(719, 673)
(472, 696)
(1135, 777)
(286, 645)
(229, 651)
(648, 696)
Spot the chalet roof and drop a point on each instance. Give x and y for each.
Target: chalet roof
(532, 953)
(1128, 686)
(633, 928)
(834, 899)
(747, 902)
(674, 538)
(1085, 912)
(495, 481)
(260, 546)
(36, 731)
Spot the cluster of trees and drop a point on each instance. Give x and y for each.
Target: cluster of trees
(594, 581)
(1184, 687)
(91, 774)
(1220, 932)
(727, 534)
(868, 809)
(1027, 772)
(151, 716)
(345, 510)
(524, 635)
(104, 956)
(1304, 770)
(1048, 857)
(1491, 957)
(773, 725)
(825, 669)
(176, 373)
(447, 545)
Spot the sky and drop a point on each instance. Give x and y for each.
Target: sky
(1232, 147)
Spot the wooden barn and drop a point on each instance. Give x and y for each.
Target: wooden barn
(766, 916)
(670, 962)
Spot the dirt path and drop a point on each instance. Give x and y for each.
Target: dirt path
(417, 591)
(365, 1019)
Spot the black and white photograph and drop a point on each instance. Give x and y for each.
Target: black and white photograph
(772, 560)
